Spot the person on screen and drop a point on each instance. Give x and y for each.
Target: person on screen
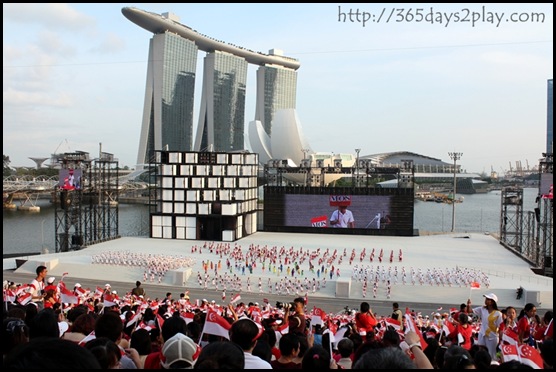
(342, 217)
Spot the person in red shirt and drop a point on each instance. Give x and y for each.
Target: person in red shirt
(463, 332)
(524, 324)
(52, 293)
(365, 320)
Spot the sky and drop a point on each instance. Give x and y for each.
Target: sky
(422, 77)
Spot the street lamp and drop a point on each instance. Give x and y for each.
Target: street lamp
(357, 168)
(455, 156)
(305, 151)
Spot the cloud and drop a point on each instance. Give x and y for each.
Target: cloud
(60, 17)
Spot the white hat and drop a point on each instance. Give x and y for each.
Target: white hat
(491, 296)
(77, 285)
(107, 285)
(179, 348)
(63, 327)
(50, 280)
(114, 292)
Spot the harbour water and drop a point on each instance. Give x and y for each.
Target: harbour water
(30, 232)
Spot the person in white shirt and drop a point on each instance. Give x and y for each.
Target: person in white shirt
(342, 217)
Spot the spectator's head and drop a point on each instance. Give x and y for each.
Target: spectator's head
(85, 324)
(50, 353)
(345, 347)
(141, 341)
(179, 351)
(316, 358)
(221, 355)
(384, 358)
(109, 325)
(456, 357)
(44, 324)
(106, 352)
(172, 326)
(16, 332)
(289, 345)
(244, 332)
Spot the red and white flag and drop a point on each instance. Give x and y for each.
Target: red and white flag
(235, 299)
(187, 316)
(98, 292)
(67, 296)
(530, 356)
(523, 353)
(24, 298)
(475, 285)
(448, 327)
(318, 316)
(510, 336)
(24, 288)
(109, 300)
(135, 319)
(396, 324)
(159, 320)
(216, 325)
(410, 325)
(9, 295)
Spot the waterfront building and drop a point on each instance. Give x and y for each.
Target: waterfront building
(168, 109)
(276, 89)
(222, 111)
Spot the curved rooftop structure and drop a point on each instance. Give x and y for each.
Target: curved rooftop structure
(157, 23)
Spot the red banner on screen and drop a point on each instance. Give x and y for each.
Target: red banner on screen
(320, 221)
(337, 200)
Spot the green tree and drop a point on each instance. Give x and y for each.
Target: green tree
(7, 170)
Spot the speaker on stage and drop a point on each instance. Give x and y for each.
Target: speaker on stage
(547, 261)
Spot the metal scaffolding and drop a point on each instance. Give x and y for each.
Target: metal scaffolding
(87, 213)
(530, 234)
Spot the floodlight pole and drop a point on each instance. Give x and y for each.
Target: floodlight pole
(357, 168)
(305, 151)
(455, 156)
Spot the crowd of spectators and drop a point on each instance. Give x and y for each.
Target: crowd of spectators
(99, 329)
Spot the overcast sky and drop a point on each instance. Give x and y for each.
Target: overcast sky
(374, 79)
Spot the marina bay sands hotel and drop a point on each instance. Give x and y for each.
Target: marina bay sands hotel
(170, 89)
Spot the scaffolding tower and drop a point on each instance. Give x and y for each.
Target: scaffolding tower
(511, 219)
(87, 213)
(530, 234)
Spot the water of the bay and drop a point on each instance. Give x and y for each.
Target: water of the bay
(30, 232)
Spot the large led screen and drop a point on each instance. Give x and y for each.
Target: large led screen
(366, 212)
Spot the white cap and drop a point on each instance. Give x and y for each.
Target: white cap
(107, 285)
(50, 280)
(77, 285)
(491, 296)
(63, 327)
(114, 292)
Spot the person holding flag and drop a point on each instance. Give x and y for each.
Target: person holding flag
(491, 318)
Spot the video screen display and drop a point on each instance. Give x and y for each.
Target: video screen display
(339, 211)
(70, 179)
